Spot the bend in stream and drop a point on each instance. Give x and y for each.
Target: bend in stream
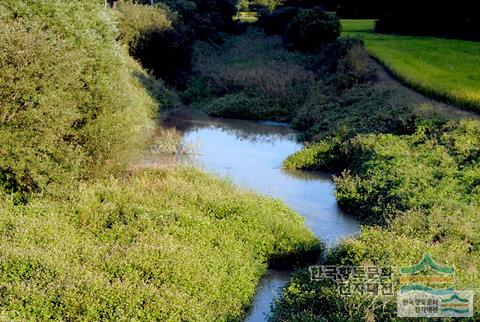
(251, 154)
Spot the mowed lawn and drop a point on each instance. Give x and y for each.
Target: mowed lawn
(446, 68)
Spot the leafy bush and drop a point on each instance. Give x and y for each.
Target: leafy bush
(422, 193)
(304, 299)
(205, 18)
(158, 245)
(316, 156)
(134, 21)
(311, 28)
(162, 46)
(71, 108)
(276, 22)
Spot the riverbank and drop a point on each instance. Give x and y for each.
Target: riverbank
(232, 148)
(84, 236)
(407, 165)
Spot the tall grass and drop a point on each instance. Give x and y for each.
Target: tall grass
(448, 69)
(249, 76)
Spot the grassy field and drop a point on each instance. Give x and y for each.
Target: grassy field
(445, 68)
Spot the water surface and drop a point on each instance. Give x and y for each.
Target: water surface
(251, 154)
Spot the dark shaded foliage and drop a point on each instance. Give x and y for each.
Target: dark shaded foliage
(205, 18)
(276, 22)
(167, 53)
(311, 28)
(432, 18)
(354, 9)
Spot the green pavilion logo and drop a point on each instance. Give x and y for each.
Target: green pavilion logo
(427, 289)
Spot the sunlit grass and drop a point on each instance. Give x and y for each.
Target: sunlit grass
(173, 245)
(445, 68)
(246, 16)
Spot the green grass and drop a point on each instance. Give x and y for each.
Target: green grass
(448, 69)
(246, 16)
(249, 76)
(157, 245)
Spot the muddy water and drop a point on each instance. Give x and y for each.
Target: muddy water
(251, 154)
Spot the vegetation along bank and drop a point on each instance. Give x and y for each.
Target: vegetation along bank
(83, 237)
(87, 236)
(407, 165)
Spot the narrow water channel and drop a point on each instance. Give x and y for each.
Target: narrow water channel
(251, 154)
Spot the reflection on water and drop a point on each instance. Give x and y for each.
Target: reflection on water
(251, 154)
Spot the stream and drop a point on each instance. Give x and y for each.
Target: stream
(250, 154)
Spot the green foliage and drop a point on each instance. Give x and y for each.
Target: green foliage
(97, 243)
(276, 22)
(417, 171)
(205, 18)
(329, 92)
(159, 245)
(157, 39)
(134, 21)
(311, 28)
(71, 108)
(422, 193)
(447, 69)
(249, 76)
(304, 299)
(315, 156)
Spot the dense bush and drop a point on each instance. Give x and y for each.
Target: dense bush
(459, 20)
(134, 21)
(70, 105)
(304, 299)
(422, 192)
(159, 245)
(205, 18)
(311, 28)
(161, 45)
(276, 22)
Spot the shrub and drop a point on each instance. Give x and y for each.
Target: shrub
(276, 22)
(205, 18)
(316, 156)
(162, 46)
(136, 20)
(420, 193)
(304, 299)
(71, 108)
(167, 54)
(311, 28)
